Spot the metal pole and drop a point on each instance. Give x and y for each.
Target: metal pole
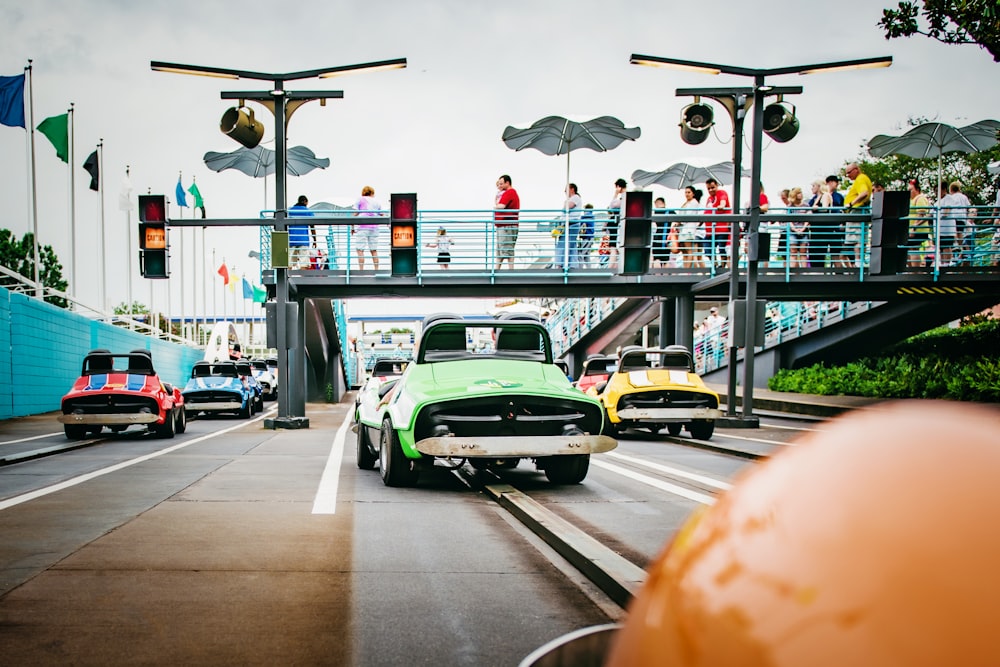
(72, 201)
(104, 270)
(739, 113)
(39, 292)
(128, 250)
(281, 273)
(751, 296)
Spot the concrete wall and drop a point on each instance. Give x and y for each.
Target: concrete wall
(42, 349)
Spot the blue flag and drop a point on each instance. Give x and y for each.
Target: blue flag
(12, 101)
(179, 194)
(247, 290)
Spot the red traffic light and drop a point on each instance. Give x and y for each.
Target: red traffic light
(639, 205)
(403, 207)
(152, 208)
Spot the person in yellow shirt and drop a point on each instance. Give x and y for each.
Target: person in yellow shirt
(858, 197)
(920, 223)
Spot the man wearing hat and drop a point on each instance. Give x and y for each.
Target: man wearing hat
(713, 331)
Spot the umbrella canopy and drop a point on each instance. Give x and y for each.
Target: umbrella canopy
(555, 135)
(680, 175)
(259, 162)
(993, 167)
(936, 139)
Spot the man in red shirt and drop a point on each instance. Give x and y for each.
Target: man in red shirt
(505, 220)
(717, 233)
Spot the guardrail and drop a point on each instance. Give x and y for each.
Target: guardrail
(682, 242)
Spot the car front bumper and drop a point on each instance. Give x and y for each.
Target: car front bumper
(510, 446)
(668, 415)
(109, 419)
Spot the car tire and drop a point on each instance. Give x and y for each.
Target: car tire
(567, 469)
(75, 432)
(366, 457)
(674, 429)
(609, 427)
(166, 429)
(247, 410)
(182, 420)
(701, 430)
(396, 469)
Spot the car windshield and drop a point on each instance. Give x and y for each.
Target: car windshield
(101, 363)
(648, 360)
(479, 339)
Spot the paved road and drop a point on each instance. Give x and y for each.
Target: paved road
(232, 544)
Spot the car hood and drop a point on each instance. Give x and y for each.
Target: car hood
(486, 377)
(659, 377)
(202, 383)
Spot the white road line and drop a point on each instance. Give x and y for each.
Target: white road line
(326, 495)
(760, 440)
(34, 437)
(797, 428)
(677, 472)
(656, 483)
(38, 493)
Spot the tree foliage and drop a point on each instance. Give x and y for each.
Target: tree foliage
(948, 21)
(18, 256)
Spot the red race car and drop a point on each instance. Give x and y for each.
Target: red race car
(117, 391)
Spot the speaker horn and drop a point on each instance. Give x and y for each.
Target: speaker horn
(242, 126)
(696, 121)
(780, 123)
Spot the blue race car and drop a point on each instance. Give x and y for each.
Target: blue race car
(215, 388)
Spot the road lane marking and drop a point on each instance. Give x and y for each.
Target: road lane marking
(38, 493)
(760, 440)
(34, 437)
(655, 483)
(676, 472)
(326, 495)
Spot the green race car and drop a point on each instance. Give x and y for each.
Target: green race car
(483, 391)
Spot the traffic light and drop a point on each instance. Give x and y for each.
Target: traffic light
(242, 126)
(696, 120)
(403, 232)
(890, 231)
(153, 244)
(780, 123)
(637, 231)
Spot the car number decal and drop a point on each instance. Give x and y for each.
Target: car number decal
(497, 384)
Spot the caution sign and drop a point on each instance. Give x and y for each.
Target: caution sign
(155, 237)
(403, 236)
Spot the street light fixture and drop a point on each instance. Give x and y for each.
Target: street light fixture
(781, 125)
(282, 103)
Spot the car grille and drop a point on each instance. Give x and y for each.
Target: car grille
(211, 396)
(667, 399)
(109, 404)
(508, 416)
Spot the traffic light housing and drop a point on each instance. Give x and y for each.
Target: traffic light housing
(780, 123)
(403, 234)
(637, 232)
(890, 231)
(153, 245)
(696, 121)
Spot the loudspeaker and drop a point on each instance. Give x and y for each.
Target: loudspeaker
(241, 126)
(890, 204)
(890, 232)
(696, 120)
(779, 123)
(887, 261)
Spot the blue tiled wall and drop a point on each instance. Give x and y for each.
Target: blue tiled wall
(42, 349)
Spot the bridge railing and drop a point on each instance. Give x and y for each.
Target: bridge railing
(692, 242)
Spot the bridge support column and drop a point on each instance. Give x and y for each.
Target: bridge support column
(667, 322)
(297, 365)
(684, 321)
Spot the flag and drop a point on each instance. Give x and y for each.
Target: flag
(247, 290)
(125, 196)
(94, 170)
(259, 294)
(224, 272)
(198, 201)
(12, 101)
(179, 194)
(56, 129)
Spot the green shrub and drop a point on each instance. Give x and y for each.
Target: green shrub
(958, 364)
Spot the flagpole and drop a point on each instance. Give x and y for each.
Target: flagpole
(72, 199)
(100, 192)
(204, 280)
(128, 245)
(215, 302)
(39, 292)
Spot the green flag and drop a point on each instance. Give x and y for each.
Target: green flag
(198, 201)
(259, 294)
(56, 128)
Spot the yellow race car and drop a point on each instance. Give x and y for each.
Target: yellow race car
(654, 388)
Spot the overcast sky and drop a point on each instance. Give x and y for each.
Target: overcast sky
(434, 128)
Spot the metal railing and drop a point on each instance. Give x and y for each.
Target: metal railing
(692, 242)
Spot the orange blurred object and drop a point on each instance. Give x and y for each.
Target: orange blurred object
(874, 542)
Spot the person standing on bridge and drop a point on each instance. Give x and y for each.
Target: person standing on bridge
(366, 236)
(611, 225)
(301, 237)
(505, 220)
(859, 196)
